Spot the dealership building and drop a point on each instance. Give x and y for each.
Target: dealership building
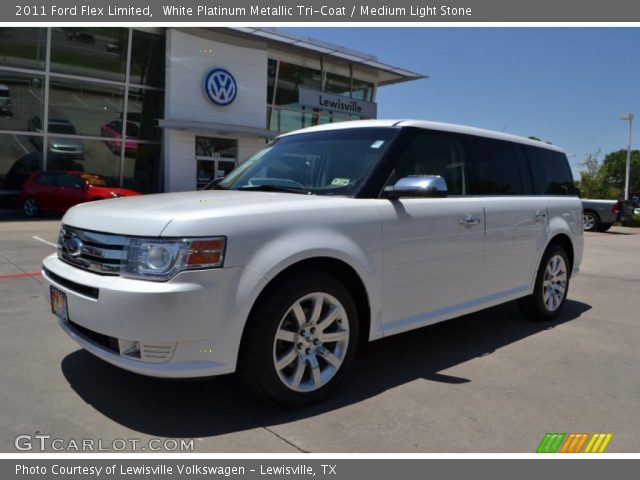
(168, 109)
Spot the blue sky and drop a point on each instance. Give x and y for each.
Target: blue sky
(565, 85)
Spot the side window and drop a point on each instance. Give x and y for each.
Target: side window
(434, 154)
(70, 181)
(496, 167)
(551, 172)
(46, 179)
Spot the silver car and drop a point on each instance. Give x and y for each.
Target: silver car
(62, 145)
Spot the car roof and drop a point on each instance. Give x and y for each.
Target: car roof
(428, 125)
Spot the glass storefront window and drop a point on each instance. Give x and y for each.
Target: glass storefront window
(23, 47)
(21, 98)
(90, 52)
(362, 90)
(291, 78)
(87, 106)
(147, 59)
(18, 159)
(141, 171)
(338, 84)
(216, 147)
(144, 107)
(272, 67)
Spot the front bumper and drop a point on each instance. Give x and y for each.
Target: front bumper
(186, 327)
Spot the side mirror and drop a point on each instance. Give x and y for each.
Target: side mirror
(422, 186)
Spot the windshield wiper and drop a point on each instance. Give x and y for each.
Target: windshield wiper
(275, 188)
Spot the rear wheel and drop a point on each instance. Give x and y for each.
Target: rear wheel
(551, 287)
(31, 207)
(300, 340)
(590, 221)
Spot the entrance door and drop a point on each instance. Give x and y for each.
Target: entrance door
(215, 158)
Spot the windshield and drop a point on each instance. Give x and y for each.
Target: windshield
(331, 162)
(62, 128)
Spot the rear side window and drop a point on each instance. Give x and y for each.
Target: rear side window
(434, 154)
(551, 172)
(46, 179)
(496, 167)
(66, 180)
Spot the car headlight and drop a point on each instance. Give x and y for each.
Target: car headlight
(115, 195)
(159, 260)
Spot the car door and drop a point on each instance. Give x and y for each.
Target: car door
(516, 220)
(432, 248)
(71, 191)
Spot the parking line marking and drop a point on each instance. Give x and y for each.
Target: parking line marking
(20, 275)
(24, 149)
(112, 104)
(45, 241)
(81, 102)
(36, 95)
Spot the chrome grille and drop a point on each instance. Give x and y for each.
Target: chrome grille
(101, 253)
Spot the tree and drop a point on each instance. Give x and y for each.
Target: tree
(613, 172)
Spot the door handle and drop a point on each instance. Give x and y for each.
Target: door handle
(470, 220)
(539, 215)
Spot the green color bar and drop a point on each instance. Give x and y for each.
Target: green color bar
(550, 442)
(554, 448)
(542, 447)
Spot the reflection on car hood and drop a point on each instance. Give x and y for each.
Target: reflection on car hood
(148, 215)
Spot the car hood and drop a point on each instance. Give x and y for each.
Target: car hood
(149, 215)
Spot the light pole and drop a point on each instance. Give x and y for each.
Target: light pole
(627, 116)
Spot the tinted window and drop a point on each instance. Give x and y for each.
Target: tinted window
(496, 167)
(65, 180)
(434, 154)
(46, 179)
(551, 172)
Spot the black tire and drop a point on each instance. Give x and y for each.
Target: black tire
(534, 306)
(591, 221)
(31, 207)
(604, 227)
(274, 313)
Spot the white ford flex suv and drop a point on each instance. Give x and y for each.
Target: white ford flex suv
(326, 237)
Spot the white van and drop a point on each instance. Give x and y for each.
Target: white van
(326, 237)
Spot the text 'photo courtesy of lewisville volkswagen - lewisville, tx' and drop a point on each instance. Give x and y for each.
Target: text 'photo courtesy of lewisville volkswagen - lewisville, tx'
(240, 239)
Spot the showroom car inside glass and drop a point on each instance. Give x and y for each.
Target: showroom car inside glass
(155, 109)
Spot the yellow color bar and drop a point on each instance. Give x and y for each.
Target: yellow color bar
(606, 441)
(590, 444)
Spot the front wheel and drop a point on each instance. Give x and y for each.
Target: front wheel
(300, 340)
(551, 287)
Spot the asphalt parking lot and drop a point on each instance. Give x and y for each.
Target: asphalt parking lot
(487, 382)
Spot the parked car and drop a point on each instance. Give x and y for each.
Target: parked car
(70, 147)
(32, 162)
(81, 37)
(112, 47)
(599, 215)
(57, 191)
(326, 237)
(6, 105)
(114, 130)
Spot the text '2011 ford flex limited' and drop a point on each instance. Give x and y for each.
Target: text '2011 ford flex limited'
(326, 237)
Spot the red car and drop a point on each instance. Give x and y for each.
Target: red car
(114, 129)
(57, 191)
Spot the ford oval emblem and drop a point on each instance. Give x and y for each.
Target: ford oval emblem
(73, 246)
(220, 86)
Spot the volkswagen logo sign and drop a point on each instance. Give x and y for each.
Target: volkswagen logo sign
(220, 86)
(73, 246)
